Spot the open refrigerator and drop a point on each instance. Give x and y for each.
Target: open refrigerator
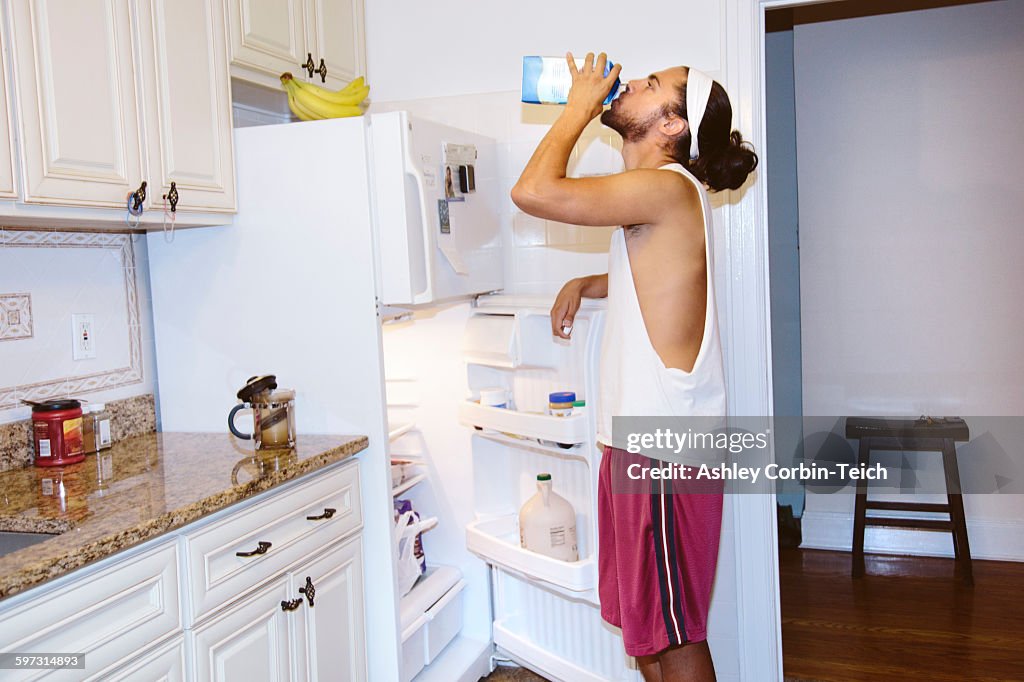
(479, 465)
(351, 275)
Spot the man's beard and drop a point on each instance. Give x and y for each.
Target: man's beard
(631, 129)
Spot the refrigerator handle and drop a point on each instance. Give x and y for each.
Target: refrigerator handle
(426, 295)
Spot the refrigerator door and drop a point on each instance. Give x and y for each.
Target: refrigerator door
(435, 201)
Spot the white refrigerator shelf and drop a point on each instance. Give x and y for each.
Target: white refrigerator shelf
(406, 484)
(569, 430)
(496, 541)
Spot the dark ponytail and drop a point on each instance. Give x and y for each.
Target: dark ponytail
(725, 158)
(725, 166)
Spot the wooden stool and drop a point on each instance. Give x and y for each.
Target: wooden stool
(925, 434)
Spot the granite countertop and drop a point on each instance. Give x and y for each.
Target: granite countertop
(140, 488)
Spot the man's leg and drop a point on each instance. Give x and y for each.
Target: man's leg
(650, 668)
(687, 663)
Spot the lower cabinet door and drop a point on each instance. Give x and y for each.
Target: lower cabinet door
(164, 664)
(332, 626)
(248, 641)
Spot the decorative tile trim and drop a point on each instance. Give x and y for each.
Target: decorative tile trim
(121, 245)
(15, 317)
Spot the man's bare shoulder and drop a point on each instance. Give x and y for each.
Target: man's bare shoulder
(677, 195)
(682, 187)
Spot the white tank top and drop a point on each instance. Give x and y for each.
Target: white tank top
(634, 380)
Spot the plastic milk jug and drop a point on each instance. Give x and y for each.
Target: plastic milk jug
(546, 80)
(547, 523)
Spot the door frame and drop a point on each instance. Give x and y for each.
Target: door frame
(749, 353)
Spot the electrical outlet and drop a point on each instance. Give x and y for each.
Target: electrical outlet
(83, 337)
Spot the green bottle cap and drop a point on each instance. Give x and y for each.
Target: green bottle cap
(580, 403)
(543, 477)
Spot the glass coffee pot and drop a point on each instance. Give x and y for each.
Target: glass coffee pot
(273, 413)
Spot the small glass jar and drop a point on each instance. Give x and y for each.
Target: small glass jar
(560, 404)
(95, 428)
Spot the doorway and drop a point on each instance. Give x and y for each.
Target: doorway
(891, 142)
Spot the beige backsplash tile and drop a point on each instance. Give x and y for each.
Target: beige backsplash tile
(128, 417)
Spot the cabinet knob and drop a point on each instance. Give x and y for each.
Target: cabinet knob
(328, 513)
(309, 66)
(138, 197)
(261, 548)
(308, 590)
(291, 604)
(172, 197)
(322, 70)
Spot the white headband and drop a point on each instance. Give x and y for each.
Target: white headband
(698, 90)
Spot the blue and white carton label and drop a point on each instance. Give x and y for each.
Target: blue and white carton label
(546, 80)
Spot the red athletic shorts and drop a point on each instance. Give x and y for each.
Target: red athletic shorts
(657, 550)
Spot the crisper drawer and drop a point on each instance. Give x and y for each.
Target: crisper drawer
(109, 616)
(270, 536)
(430, 633)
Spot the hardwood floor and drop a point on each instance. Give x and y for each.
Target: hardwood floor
(907, 619)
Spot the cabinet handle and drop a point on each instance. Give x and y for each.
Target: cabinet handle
(322, 70)
(261, 548)
(309, 66)
(308, 590)
(138, 196)
(328, 513)
(291, 604)
(172, 197)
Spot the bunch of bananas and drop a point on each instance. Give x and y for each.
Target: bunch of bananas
(310, 102)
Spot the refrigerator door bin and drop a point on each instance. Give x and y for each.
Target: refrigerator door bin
(601, 660)
(519, 647)
(575, 452)
(497, 541)
(491, 340)
(561, 430)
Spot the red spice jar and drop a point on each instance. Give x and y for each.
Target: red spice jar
(57, 432)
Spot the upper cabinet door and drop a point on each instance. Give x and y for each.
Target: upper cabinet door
(186, 97)
(268, 36)
(7, 186)
(75, 82)
(337, 26)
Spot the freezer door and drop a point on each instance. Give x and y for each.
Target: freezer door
(435, 201)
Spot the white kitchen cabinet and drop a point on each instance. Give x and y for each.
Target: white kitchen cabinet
(8, 189)
(166, 663)
(108, 614)
(289, 630)
(77, 104)
(269, 37)
(134, 614)
(332, 627)
(271, 535)
(249, 641)
(145, 98)
(186, 100)
(336, 29)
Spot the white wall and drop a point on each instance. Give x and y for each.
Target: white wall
(454, 47)
(60, 273)
(909, 167)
